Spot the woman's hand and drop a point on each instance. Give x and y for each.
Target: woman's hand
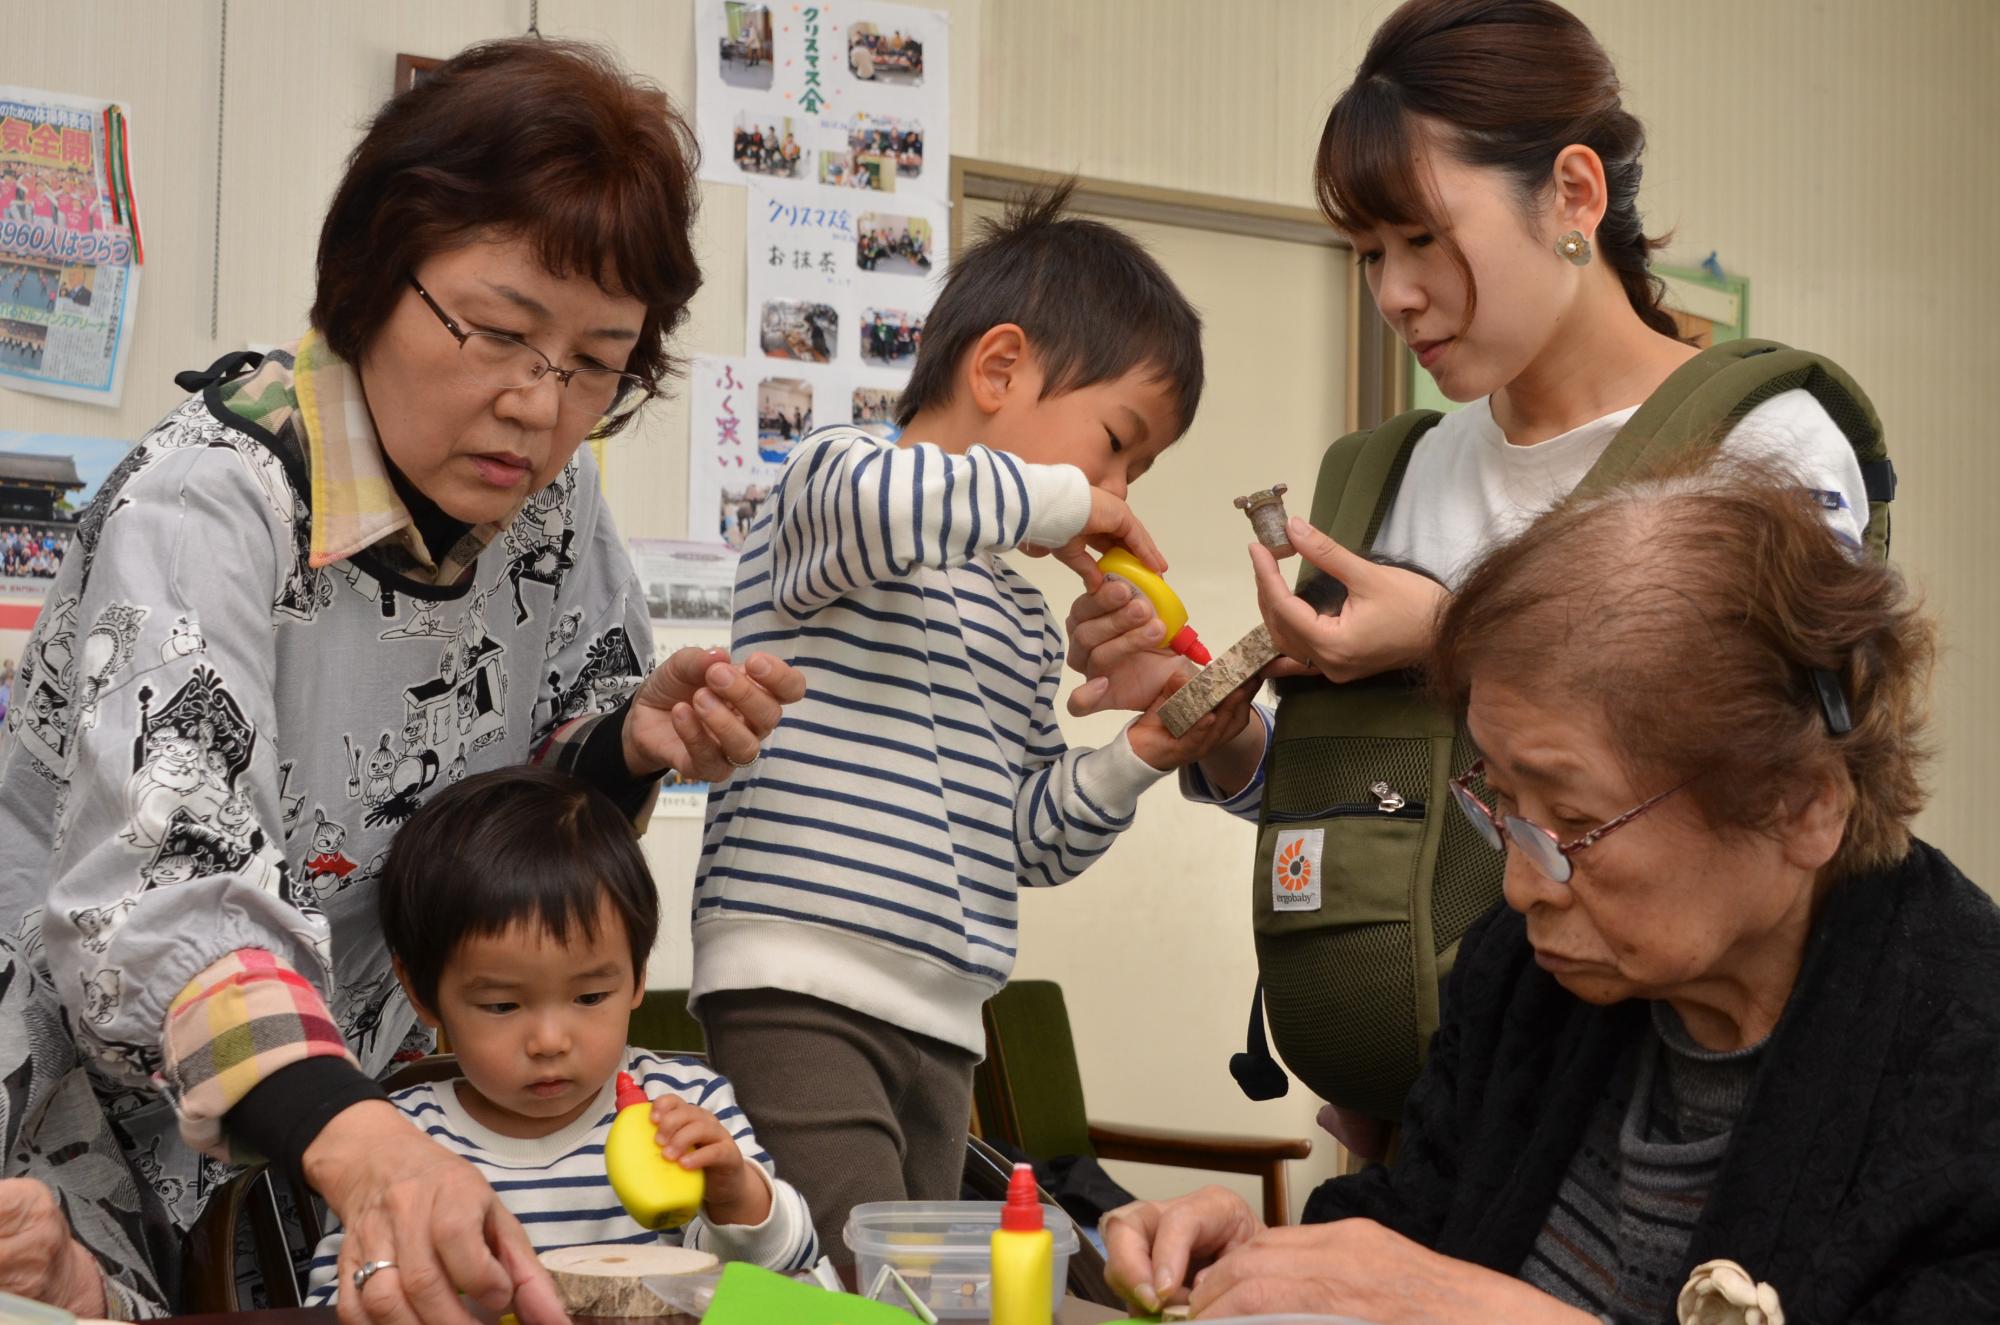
(694, 1138)
(1356, 1267)
(1385, 624)
(1149, 1246)
(39, 1258)
(703, 716)
(403, 1198)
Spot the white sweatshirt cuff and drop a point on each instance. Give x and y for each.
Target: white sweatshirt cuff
(1058, 503)
(1112, 777)
(762, 1244)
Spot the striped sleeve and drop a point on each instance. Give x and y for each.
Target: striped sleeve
(854, 510)
(785, 1240)
(1072, 804)
(234, 1025)
(1246, 803)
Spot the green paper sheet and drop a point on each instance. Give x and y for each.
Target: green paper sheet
(750, 1295)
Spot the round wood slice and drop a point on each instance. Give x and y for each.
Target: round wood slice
(609, 1280)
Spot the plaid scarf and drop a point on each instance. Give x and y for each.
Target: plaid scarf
(305, 390)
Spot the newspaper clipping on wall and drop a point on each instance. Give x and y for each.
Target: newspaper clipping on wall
(70, 247)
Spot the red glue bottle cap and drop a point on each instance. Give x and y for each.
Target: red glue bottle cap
(1187, 644)
(629, 1092)
(1023, 1212)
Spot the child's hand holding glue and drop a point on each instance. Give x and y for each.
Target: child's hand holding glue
(1110, 524)
(694, 1138)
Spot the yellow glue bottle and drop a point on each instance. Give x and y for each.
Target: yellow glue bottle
(1023, 1257)
(655, 1190)
(1122, 565)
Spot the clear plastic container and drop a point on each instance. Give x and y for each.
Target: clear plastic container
(944, 1251)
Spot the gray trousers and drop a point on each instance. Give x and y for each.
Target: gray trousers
(852, 1108)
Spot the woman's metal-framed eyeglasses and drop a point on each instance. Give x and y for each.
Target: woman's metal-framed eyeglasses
(1543, 849)
(508, 363)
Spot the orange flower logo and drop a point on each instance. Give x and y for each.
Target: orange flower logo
(1295, 870)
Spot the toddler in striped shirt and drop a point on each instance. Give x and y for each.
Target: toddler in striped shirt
(520, 913)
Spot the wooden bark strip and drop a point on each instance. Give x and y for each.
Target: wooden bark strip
(1212, 684)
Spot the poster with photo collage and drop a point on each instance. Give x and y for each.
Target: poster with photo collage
(830, 282)
(746, 417)
(849, 95)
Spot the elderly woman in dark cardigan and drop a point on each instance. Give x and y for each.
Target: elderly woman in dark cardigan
(1729, 1047)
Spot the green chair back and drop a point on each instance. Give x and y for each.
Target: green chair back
(1029, 1092)
(663, 1023)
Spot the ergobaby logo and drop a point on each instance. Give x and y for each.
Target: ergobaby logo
(1295, 869)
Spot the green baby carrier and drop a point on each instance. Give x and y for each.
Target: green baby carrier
(1366, 876)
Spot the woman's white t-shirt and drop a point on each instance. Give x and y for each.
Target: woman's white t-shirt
(1468, 488)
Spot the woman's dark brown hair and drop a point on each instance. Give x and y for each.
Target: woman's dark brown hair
(549, 141)
(1709, 598)
(1506, 84)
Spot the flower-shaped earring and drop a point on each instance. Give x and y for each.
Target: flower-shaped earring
(1574, 247)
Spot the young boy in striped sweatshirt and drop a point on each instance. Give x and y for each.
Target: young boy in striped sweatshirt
(520, 914)
(856, 901)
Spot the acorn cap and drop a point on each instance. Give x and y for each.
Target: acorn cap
(629, 1092)
(1023, 1211)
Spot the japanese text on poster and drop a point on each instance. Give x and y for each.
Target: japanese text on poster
(746, 418)
(69, 246)
(835, 283)
(843, 93)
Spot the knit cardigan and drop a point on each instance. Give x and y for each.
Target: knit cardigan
(1863, 1178)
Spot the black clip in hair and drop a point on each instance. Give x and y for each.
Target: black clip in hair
(1832, 702)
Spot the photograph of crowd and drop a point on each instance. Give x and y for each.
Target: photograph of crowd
(766, 146)
(875, 411)
(875, 58)
(890, 336)
(31, 554)
(746, 46)
(64, 199)
(739, 510)
(784, 415)
(796, 329)
(22, 343)
(687, 602)
(889, 242)
(879, 148)
(30, 286)
(883, 135)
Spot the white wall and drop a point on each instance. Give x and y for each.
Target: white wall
(1839, 152)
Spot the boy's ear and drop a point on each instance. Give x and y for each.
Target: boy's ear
(996, 365)
(639, 989)
(424, 1014)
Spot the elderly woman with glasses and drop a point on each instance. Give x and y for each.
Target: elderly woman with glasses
(1727, 1049)
(337, 578)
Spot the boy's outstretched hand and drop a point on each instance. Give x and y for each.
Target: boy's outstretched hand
(1111, 524)
(1152, 742)
(696, 1139)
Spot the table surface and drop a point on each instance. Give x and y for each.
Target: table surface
(1074, 1311)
